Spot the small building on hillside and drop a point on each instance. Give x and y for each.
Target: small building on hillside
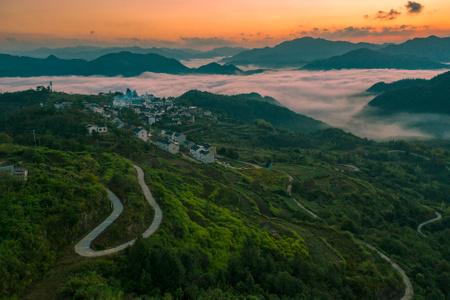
(193, 109)
(206, 156)
(63, 105)
(190, 119)
(19, 172)
(179, 138)
(193, 151)
(96, 128)
(167, 145)
(151, 120)
(140, 133)
(170, 123)
(208, 147)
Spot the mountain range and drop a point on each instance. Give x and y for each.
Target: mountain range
(309, 53)
(113, 64)
(296, 52)
(369, 59)
(300, 51)
(91, 53)
(432, 47)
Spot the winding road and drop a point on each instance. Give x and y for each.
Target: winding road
(409, 292)
(289, 191)
(83, 248)
(419, 228)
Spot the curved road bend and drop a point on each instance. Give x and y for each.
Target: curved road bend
(419, 228)
(289, 191)
(83, 248)
(409, 292)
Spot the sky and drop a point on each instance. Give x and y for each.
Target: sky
(205, 24)
(324, 95)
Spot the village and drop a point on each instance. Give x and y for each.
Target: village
(152, 110)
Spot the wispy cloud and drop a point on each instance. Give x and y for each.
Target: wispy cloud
(391, 15)
(367, 32)
(200, 42)
(326, 96)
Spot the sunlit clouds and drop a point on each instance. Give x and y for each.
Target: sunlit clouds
(206, 24)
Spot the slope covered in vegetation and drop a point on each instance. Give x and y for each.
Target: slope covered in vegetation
(247, 110)
(229, 232)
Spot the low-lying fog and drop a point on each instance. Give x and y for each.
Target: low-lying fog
(324, 95)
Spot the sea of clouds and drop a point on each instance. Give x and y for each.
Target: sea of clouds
(324, 95)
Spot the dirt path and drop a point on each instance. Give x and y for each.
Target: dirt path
(240, 161)
(354, 168)
(83, 248)
(289, 191)
(419, 228)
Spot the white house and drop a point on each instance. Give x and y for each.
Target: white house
(200, 153)
(208, 147)
(151, 120)
(206, 156)
(194, 150)
(167, 145)
(140, 133)
(179, 138)
(97, 128)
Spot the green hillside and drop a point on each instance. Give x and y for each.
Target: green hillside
(247, 110)
(227, 232)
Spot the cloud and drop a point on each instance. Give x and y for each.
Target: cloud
(92, 32)
(326, 96)
(391, 15)
(414, 7)
(352, 32)
(129, 40)
(10, 40)
(198, 42)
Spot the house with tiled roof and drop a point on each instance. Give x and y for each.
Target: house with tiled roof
(167, 145)
(140, 133)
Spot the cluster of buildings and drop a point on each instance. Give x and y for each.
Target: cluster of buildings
(62, 105)
(150, 110)
(175, 142)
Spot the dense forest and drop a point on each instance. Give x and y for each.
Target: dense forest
(227, 232)
(413, 96)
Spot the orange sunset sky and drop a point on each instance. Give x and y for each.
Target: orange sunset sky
(204, 24)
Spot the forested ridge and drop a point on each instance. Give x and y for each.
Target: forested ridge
(226, 232)
(413, 96)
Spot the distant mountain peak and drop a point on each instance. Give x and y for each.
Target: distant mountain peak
(52, 57)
